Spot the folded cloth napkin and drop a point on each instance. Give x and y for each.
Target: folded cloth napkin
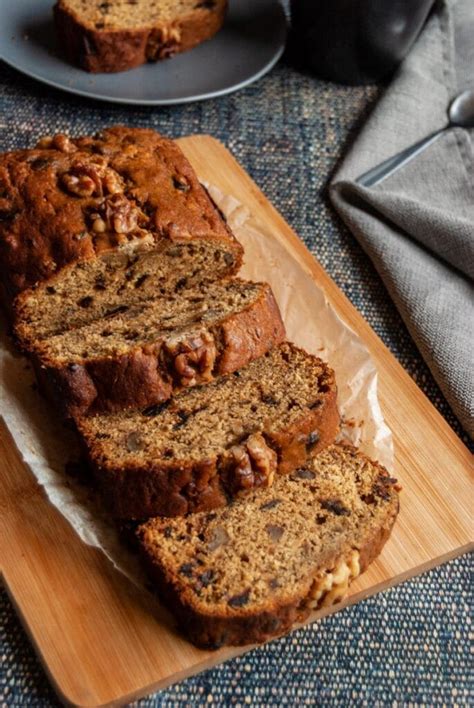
(417, 225)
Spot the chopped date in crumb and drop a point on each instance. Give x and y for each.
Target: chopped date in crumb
(182, 419)
(303, 473)
(269, 400)
(116, 310)
(335, 507)
(315, 404)
(218, 537)
(312, 439)
(156, 409)
(187, 570)
(239, 600)
(275, 532)
(270, 504)
(134, 442)
(207, 578)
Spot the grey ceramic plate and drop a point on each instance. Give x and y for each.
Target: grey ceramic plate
(249, 44)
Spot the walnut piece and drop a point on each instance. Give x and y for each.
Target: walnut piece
(163, 43)
(98, 225)
(111, 182)
(80, 185)
(57, 142)
(86, 179)
(218, 537)
(332, 586)
(254, 464)
(178, 233)
(117, 214)
(121, 214)
(193, 358)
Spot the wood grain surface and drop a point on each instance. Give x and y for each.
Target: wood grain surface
(104, 642)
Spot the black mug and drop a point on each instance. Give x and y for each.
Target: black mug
(355, 41)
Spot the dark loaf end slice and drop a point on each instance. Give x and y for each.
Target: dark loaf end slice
(213, 442)
(146, 352)
(88, 221)
(248, 572)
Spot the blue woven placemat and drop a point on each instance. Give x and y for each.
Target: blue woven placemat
(410, 644)
(406, 645)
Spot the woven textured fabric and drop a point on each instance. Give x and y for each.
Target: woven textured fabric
(417, 224)
(289, 131)
(406, 645)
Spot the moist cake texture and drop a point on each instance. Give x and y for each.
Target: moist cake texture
(147, 351)
(249, 571)
(215, 441)
(85, 221)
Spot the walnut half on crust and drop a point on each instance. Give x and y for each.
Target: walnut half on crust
(192, 359)
(91, 179)
(60, 141)
(253, 464)
(163, 43)
(116, 215)
(332, 586)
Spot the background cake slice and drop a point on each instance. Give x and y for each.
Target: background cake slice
(119, 34)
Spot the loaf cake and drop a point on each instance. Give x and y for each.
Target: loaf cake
(147, 351)
(250, 571)
(85, 221)
(116, 268)
(121, 34)
(216, 441)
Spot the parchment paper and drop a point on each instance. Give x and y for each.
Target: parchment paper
(47, 445)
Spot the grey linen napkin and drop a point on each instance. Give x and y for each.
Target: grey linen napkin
(417, 225)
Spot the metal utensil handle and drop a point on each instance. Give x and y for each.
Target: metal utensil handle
(389, 166)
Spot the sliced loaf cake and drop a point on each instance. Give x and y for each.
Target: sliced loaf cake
(86, 221)
(212, 442)
(250, 571)
(121, 34)
(147, 351)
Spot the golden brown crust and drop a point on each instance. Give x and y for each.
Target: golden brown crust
(49, 196)
(146, 375)
(102, 50)
(292, 444)
(246, 334)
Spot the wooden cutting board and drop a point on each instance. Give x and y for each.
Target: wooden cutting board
(104, 642)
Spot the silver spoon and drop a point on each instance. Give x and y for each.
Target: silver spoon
(460, 113)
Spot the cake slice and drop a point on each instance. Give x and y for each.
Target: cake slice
(120, 34)
(87, 221)
(147, 351)
(250, 571)
(213, 442)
